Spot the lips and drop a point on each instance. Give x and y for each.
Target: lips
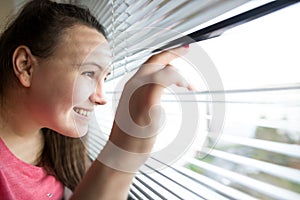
(82, 111)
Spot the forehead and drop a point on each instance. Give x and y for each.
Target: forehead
(79, 41)
(100, 56)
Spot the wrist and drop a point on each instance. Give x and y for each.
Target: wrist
(130, 142)
(121, 160)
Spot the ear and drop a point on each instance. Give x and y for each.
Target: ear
(23, 63)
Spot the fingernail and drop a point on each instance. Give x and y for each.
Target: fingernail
(186, 46)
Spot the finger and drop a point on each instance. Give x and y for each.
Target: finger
(159, 61)
(181, 81)
(166, 57)
(170, 75)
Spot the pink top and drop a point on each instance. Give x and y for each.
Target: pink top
(22, 181)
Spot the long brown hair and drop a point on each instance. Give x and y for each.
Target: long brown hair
(64, 157)
(40, 26)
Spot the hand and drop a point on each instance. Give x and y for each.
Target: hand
(143, 91)
(150, 80)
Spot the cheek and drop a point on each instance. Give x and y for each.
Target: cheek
(83, 88)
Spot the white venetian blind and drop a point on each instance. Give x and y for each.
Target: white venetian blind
(257, 155)
(135, 28)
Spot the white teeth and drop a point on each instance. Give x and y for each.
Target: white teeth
(82, 112)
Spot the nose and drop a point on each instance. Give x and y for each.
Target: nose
(98, 97)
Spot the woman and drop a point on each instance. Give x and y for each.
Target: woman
(54, 59)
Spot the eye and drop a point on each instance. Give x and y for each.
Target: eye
(89, 73)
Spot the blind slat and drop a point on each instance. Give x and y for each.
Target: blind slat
(276, 170)
(214, 185)
(285, 149)
(177, 186)
(201, 190)
(254, 184)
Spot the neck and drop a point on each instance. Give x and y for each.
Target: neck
(20, 134)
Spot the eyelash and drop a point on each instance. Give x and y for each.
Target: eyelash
(89, 74)
(92, 74)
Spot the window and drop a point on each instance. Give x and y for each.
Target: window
(257, 154)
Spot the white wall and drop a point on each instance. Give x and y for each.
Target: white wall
(6, 8)
(9, 7)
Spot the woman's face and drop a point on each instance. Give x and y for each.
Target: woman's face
(66, 86)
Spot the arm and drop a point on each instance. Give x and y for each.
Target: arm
(103, 182)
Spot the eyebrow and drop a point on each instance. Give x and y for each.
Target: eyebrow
(95, 64)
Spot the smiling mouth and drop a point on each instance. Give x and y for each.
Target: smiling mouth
(83, 112)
